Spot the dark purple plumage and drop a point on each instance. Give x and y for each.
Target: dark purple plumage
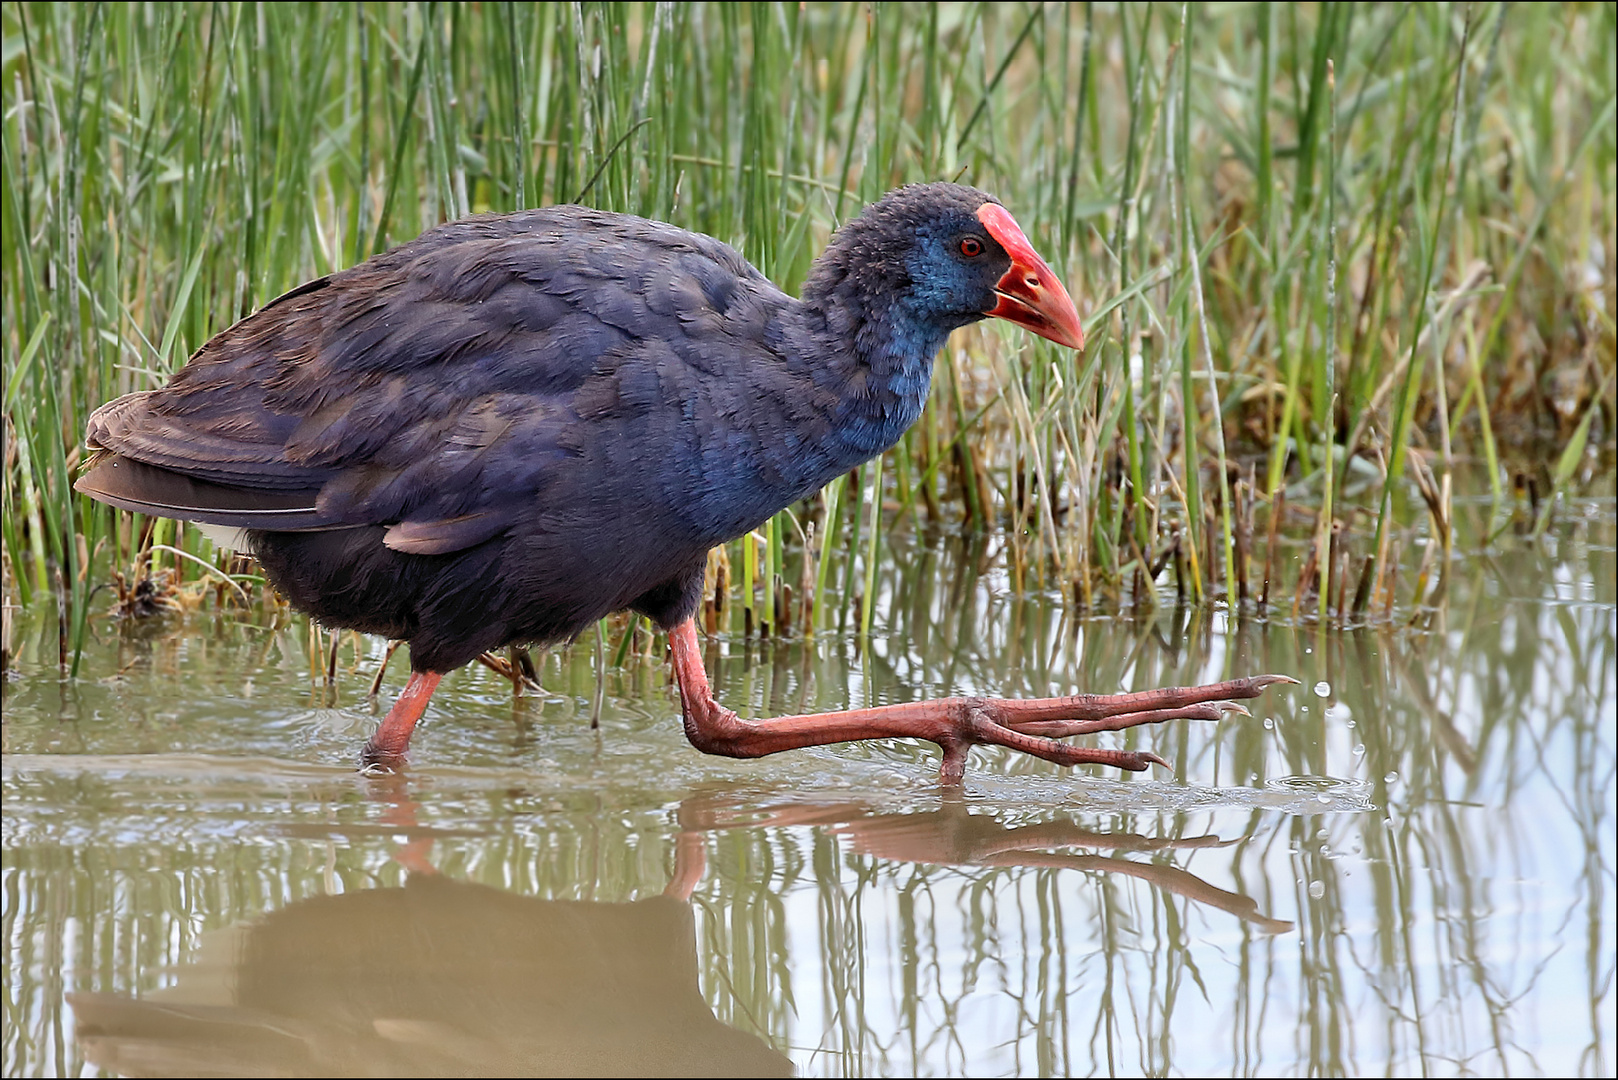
(514, 425)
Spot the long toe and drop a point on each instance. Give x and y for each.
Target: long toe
(1060, 729)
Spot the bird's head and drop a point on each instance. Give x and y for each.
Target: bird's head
(946, 255)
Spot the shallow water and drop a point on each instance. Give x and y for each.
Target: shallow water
(1403, 865)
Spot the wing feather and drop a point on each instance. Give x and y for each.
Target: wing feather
(148, 489)
(436, 390)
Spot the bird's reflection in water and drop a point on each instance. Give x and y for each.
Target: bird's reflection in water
(952, 835)
(436, 978)
(442, 977)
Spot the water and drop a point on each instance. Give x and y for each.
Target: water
(1403, 865)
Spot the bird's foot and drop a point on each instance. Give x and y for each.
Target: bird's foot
(1032, 726)
(954, 724)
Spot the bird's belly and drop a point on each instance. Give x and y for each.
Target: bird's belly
(534, 586)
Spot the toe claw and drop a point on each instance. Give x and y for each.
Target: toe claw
(1234, 707)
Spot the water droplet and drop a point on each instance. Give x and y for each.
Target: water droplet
(1359, 750)
(1268, 723)
(1317, 889)
(1323, 799)
(1322, 688)
(1320, 834)
(1351, 724)
(1392, 777)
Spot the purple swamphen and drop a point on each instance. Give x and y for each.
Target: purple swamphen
(515, 424)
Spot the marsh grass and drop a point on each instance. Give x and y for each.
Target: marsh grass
(1327, 254)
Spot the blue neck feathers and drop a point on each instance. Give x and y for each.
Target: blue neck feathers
(889, 379)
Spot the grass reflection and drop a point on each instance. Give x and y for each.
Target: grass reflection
(1408, 868)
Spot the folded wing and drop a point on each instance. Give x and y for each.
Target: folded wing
(435, 390)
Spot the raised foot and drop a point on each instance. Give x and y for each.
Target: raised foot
(1032, 726)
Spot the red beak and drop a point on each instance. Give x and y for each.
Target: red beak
(1030, 293)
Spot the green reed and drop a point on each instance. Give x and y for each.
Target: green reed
(1318, 241)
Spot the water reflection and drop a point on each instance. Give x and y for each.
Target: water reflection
(950, 834)
(435, 977)
(441, 977)
(1432, 812)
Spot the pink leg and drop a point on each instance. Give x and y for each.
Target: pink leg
(955, 724)
(388, 745)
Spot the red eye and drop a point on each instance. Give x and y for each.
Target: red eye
(971, 247)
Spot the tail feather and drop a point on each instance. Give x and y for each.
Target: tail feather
(149, 489)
